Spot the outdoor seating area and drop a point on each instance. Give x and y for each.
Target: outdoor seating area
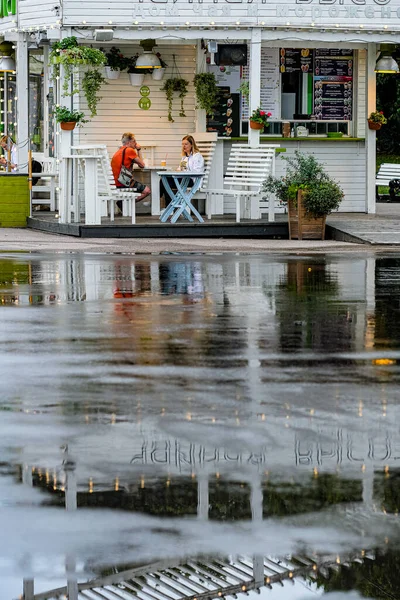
(89, 187)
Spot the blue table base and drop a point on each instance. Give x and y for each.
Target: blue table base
(181, 199)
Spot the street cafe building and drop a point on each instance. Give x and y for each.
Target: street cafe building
(311, 63)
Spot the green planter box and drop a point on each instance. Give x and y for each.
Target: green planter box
(14, 199)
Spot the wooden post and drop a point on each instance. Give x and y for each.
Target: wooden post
(255, 81)
(30, 180)
(201, 67)
(22, 102)
(370, 135)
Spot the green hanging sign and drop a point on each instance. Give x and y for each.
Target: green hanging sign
(8, 7)
(144, 103)
(144, 90)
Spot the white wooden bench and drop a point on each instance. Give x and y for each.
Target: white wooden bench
(386, 173)
(248, 167)
(108, 192)
(48, 181)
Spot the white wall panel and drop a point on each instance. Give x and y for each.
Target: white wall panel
(344, 161)
(32, 15)
(371, 14)
(361, 93)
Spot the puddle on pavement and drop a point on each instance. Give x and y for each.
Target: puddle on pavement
(199, 427)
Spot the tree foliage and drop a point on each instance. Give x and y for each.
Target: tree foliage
(388, 100)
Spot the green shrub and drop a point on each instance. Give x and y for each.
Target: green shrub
(304, 172)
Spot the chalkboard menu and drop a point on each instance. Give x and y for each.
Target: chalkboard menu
(226, 117)
(333, 84)
(296, 59)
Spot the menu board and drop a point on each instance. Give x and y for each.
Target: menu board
(333, 98)
(296, 59)
(228, 76)
(226, 117)
(333, 84)
(270, 83)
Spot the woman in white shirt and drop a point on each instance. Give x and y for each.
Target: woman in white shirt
(7, 143)
(192, 161)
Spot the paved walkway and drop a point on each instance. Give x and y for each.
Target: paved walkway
(29, 240)
(354, 232)
(382, 229)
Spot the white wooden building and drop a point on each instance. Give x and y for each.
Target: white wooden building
(331, 31)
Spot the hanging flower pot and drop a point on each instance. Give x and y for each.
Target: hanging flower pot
(373, 125)
(158, 74)
(136, 78)
(255, 125)
(112, 73)
(68, 126)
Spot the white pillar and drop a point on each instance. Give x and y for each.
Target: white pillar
(46, 90)
(28, 589)
(255, 81)
(22, 102)
(203, 500)
(201, 67)
(370, 135)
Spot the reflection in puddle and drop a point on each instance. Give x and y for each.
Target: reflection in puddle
(213, 426)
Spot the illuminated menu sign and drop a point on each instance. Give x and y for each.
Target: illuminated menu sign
(296, 59)
(333, 84)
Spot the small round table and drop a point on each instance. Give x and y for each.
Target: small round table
(187, 184)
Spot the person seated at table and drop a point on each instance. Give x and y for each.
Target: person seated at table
(132, 155)
(8, 145)
(192, 160)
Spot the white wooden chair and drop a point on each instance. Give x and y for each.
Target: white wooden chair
(108, 192)
(206, 142)
(386, 173)
(248, 167)
(48, 179)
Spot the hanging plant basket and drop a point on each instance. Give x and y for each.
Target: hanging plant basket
(374, 126)
(175, 84)
(136, 78)
(68, 126)
(112, 73)
(158, 74)
(256, 125)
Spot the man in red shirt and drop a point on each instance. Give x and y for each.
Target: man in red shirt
(132, 155)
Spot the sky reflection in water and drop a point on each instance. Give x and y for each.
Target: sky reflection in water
(191, 405)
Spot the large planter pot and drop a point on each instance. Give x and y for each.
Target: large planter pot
(158, 74)
(255, 125)
(136, 78)
(69, 126)
(375, 126)
(112, 74)
(302, 226)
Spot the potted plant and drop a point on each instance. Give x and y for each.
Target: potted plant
(376, 119)
(158, 74)
(72, 57)
(259, 119)
(205, 86)
(91, 84)
(116, 62)
(68, 118)
(172, 86)
(310, 193)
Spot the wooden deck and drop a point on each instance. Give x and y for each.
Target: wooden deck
(148, 226)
